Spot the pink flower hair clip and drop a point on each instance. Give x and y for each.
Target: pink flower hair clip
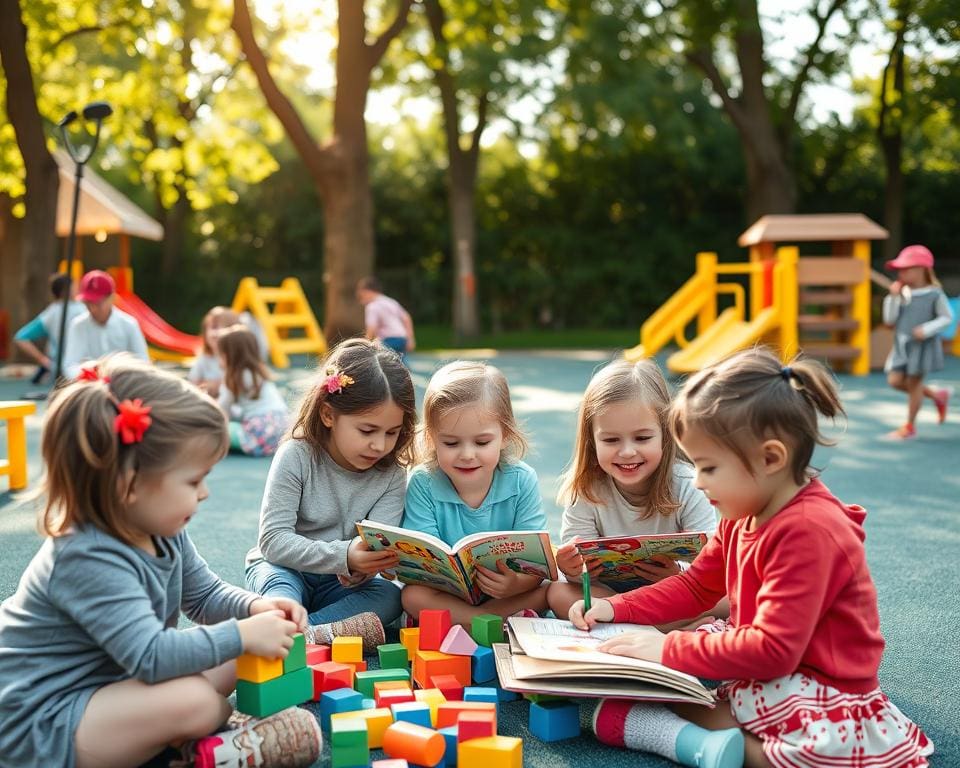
(334, 381)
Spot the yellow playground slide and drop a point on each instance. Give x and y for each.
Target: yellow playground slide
(726, 335)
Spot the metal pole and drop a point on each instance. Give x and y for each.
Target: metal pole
(71, 248)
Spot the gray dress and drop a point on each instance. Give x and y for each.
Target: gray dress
(928, 309)
(90, 611)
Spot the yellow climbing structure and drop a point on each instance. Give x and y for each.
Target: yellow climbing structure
(290, 326)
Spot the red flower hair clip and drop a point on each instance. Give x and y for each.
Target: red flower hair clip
(91, 373)
(132, 420)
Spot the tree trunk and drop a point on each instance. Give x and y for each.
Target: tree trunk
(461, 186)
(174, 221)
(39, 250)
(890, 134)
(10, 267)
(771, 185)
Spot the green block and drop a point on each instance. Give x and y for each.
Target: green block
(393, 656)
(265, 699)
(297, 658)
(487, 629)
(539, 698)
(348, 743)
(364, 681)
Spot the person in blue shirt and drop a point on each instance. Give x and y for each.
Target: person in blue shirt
(470, 479)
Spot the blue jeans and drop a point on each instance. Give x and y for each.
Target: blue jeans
(322, 594)
(398, 344)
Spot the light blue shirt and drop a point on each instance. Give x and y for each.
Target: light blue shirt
(513, 503)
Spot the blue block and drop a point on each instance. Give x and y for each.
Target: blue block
(482, 666)
(504, 695)
(412, 712)
(474, 693)
(368, 704)
(338, 700)
(450, 736)
(554, 720)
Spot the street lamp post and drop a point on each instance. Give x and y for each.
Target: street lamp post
(96, 111)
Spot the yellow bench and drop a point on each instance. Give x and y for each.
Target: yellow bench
(15, 465)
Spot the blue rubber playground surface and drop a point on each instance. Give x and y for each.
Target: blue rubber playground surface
(911, 491)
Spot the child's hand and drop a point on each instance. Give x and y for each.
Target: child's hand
(267, 634)
(504, 582)
(639, 645)
(292, 610)
(362, 559)
(348, 580)
(895, 287)
(918, 333)
(600, 610)
(657, 568)
(569, 560)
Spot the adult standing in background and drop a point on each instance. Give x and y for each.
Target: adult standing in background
(103, 328)
(385, 319)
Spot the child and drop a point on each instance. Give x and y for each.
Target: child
(471, 480)
(46, 325)
(802, 654)
(625, 478)
(918, 309)
(95, 671)
(252, 402)
(344, 462)
(206, 372)
(384, 318)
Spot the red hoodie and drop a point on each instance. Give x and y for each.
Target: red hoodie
(801, 599)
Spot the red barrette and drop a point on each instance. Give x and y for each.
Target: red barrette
(132, 420)
(91, 373)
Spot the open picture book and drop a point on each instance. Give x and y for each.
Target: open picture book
(425, 559)
(619, 555)
(553, 656)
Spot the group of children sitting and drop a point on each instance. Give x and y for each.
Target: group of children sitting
(95, 671)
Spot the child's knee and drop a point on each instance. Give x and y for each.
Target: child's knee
(198, 707)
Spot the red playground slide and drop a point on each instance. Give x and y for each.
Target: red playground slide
(157, 331)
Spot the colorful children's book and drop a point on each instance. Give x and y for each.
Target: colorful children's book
(425, 559)
(553, 656)
(618, 555)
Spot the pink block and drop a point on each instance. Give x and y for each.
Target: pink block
(458, 642)
(389, 764)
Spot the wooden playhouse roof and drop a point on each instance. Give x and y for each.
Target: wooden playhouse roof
(826, 227)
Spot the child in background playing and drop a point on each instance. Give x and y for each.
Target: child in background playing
(918, 309)
(471, 480)
(624, 478)
(206, 371)
(252, 402)
(344, 462)
(46, 325)
(94, 669)
(802, 654)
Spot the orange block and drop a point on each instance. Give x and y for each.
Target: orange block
(414, 743)
(257, 669)
(448, 713)
(430, 664)
(358, 666)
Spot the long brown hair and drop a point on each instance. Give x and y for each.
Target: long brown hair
(619, 382)
(85, 460)
(378, 375)
(241, 355)
(463, 383)
(751, 396)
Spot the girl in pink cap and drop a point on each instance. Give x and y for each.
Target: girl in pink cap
(918, 310)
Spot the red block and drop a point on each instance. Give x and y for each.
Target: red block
(330, 675)
(394, 696)
(449, 712)
(434, 626)
(476, 725)
(449, 686)
(317, 654)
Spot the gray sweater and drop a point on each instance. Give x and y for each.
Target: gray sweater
(91, 610)
(311, 506)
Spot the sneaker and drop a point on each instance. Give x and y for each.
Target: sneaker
(609, 721)
(941, 398)
(406, 621)
(365, 625)
(906, 432)
(290, 738)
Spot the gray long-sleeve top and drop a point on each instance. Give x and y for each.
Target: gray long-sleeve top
(91, 610)
(311, 506)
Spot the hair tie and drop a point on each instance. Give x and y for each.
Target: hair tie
(335, 381)
(787, 373)
(133, 417)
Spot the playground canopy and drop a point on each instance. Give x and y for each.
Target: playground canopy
(102, 208)
(821, 227)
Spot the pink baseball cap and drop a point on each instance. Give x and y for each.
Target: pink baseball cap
(912, 256)
(96, 285)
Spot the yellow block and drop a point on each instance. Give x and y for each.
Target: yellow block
(490, 752)
(410, 639)
(346, 649)
(257, 669)
(15, 411)
(433, 698)
(377, 721)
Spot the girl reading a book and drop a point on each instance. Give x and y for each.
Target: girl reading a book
(471, 480)
(625, 479)
(342, 461)
(804, 647)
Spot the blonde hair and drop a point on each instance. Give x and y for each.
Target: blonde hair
(379, 376)
(461, 384)
(751, 396)
(85, 460)
(241, 354)
(618, 382)
(218, 317)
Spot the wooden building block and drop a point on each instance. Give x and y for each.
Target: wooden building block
(476, 725)
(348, 744)
(346, 649)
(338, 700)
(458, 642)
(257, 669)
(317, 654)
(487, 629)
(330, 675)
(366, 680)
(410, 639)
(429, 664)
(393, 655)
(377, 721)
(264, 699)
(449, 711)
(414, 743)
(396, 696)
(490, 752)
(555, 720)
(449, 685)
(483, 667)
(434, 626)
(433, 698)
(297, 657)
(412, 712)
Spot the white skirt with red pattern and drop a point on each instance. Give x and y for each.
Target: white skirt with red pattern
(803, 723)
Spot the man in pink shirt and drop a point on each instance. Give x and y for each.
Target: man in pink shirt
(385, 319)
